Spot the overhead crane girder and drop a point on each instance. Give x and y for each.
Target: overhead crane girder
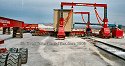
(81, 12)
(105, 20)
(83, 4)
(88, 13)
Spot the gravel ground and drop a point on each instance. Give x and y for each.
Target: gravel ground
(48, 51)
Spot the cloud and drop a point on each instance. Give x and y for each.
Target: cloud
(41, 11)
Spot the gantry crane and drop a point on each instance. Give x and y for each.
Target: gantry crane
(88, 28)
(104, 32)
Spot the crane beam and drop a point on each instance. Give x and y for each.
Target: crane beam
(83, 4)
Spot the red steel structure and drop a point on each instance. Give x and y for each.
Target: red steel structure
(88, 13)
(104, 32)
(88, 28)
(30, 26)
(14, 54)
(7, 22)
(15, 24)
(117, 33)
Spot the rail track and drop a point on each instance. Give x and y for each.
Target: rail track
(108, 48)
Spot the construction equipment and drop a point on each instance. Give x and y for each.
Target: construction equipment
(15, 24)
(117, 32)
(104, 32)
(77, 33)
(30, 27)
(15, 56)
(40, 32)
(88, 28)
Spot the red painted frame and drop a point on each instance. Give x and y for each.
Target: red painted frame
(7, 22)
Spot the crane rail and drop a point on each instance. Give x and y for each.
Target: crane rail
(109, 48)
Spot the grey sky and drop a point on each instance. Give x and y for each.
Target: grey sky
(41, 11)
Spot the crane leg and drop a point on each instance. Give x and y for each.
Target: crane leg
(61, 32)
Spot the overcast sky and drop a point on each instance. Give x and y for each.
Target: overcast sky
(41, 11)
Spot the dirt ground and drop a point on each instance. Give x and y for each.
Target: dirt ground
(48, 51)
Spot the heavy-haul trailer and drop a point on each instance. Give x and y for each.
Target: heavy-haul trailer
(104, 32)
(17, 26)
(12, 56)
(40, 32)
(30, 27)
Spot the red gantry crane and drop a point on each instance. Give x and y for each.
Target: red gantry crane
(88, 28)
(104, 32)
